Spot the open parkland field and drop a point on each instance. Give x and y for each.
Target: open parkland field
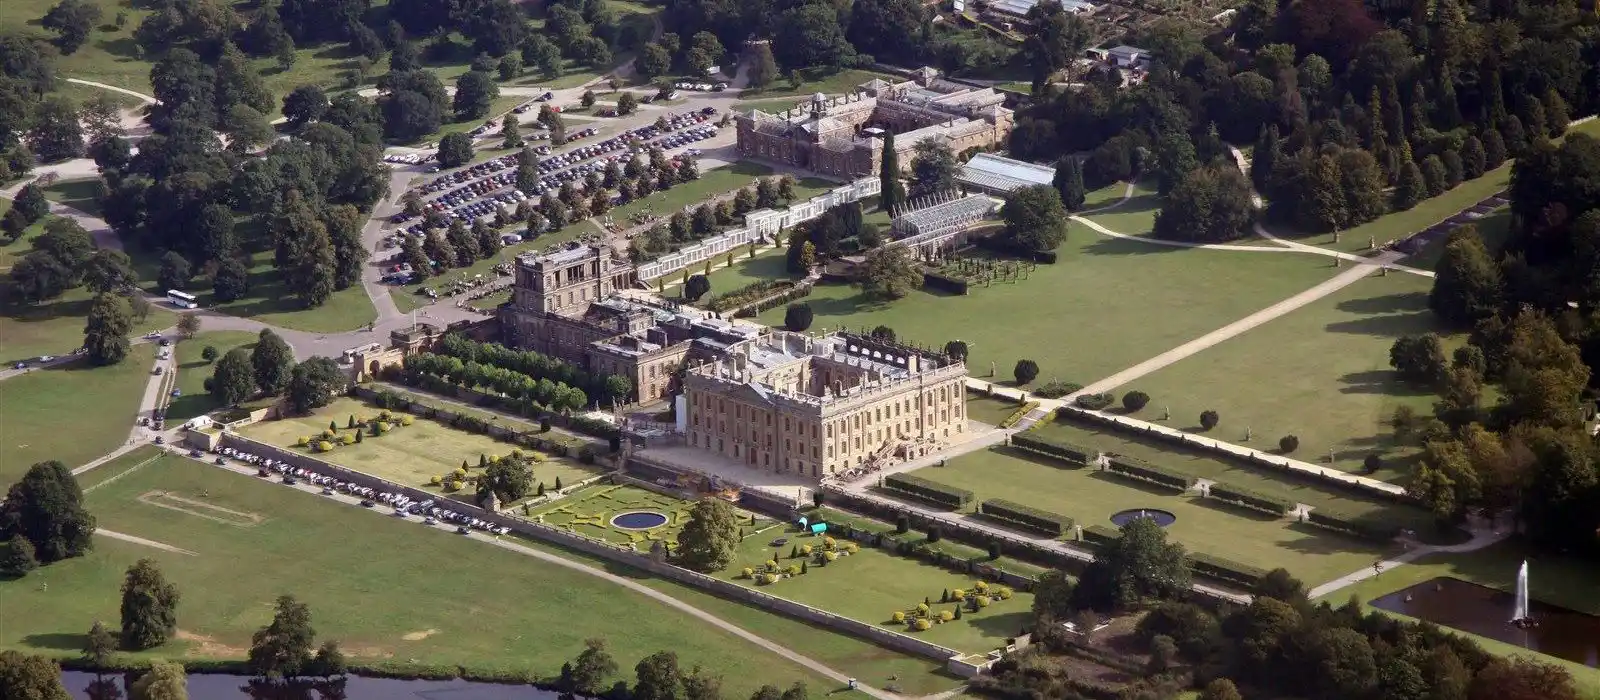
(389, 590)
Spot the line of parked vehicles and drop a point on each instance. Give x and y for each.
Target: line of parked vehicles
(478, 198)
(402, 504)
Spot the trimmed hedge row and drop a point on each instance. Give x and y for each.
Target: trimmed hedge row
(1140, 469)
(1024, 517)
(800, 291)
(1250, 499)
(1064, 451)
(1224, 569)
(944, 283)
(1018, 414)
(928, 490)
(1354, 525)
(1101, 535)
(1204, 446)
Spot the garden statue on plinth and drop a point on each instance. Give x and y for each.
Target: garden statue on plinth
(1166, 413)
(1247, 433)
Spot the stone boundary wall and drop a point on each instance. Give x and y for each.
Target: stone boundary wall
(626, 556)
(759, 224)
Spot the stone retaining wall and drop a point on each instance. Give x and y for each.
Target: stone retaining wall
(623, 555)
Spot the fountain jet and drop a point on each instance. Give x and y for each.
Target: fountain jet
(1519, 612)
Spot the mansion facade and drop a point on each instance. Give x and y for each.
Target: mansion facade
(844, 136)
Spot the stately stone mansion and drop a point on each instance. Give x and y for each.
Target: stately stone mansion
(799, 404)
(843, 136)
(772, 400)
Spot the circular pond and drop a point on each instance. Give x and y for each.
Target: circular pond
(1162, 518)
(639, 520)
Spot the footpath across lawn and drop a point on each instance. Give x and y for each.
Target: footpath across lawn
(72, 413)
(1320, 373)
(390, 591)
(1107, 305)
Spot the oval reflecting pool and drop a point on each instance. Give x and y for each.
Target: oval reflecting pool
(639, 520)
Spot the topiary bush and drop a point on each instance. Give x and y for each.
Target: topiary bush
(1209, 419)
(1095, 402)
(302, 442)
(898, 616)
(405, 420)
(347, 439)
(946, 616)
(769, 579)
(933, 534)
(1135, 401)
(1372, 464)
(1288, 443)
(1055, 389)
(324, 446)
(747, 572)
(435, 481)
(921, 625)
(1025, 372)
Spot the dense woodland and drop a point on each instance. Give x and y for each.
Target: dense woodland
(1351, 113)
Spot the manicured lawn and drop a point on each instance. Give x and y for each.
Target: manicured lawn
(390, 591)
(1321, 373)
(872, 584)
(1090, 497)
(193, 371)
(950, 547)
(108, 56)
(711, 183)
(1135, 217)
(1106, 306)
(770, 263)
(73, 413)
(82, 195)
(1204, 466)
(988, 410)
(515, 422)
(410, 455)
(1553, 579)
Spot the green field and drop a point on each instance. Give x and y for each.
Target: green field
(72, 413)
(1202, 465)
(393, 593)
(1091, 497)
(1400, 224)
(770, 262)
(1135, 217)
(411, 455)
(989, 410)
(871, 584)
(1107, 305)
(82, 195)
(1321, 373)
(193, 371)
(1563, 581)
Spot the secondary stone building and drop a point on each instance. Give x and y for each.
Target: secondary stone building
(844, 136)
(567, 305)
(797, 404)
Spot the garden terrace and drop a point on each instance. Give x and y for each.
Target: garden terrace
(572, 443)
(989, 409)
(590, 510)
(1139, 299)
(411, 455)
(1203, 526)
(303, 544)
(958, 551)
(1207, 464)
(870, 585)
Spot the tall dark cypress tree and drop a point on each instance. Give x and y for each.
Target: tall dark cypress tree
(1264, 157)
(1069, 182)
(893, 194)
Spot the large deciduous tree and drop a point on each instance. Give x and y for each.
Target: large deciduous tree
(1140, 564)
(46, 509)
(283, 649)
(933, 168)
(234, 379)
(1209, 205)
(314, 383)
(889, 272)
(272, 362)
(708, 540)
(105, 334)
(1035, 219)
(163, 681)
(30, 677)
(1468, 286)
(149, 607)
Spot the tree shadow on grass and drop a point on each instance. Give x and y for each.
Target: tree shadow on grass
(1386, 304)
(1387, 326)
(1325, 541)
(124, 48)
(57, 640)
(1379, 381)
(1003, 625)
(1123, 246)
(1135, 484)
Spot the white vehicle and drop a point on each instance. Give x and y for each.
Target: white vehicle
(182, 300)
